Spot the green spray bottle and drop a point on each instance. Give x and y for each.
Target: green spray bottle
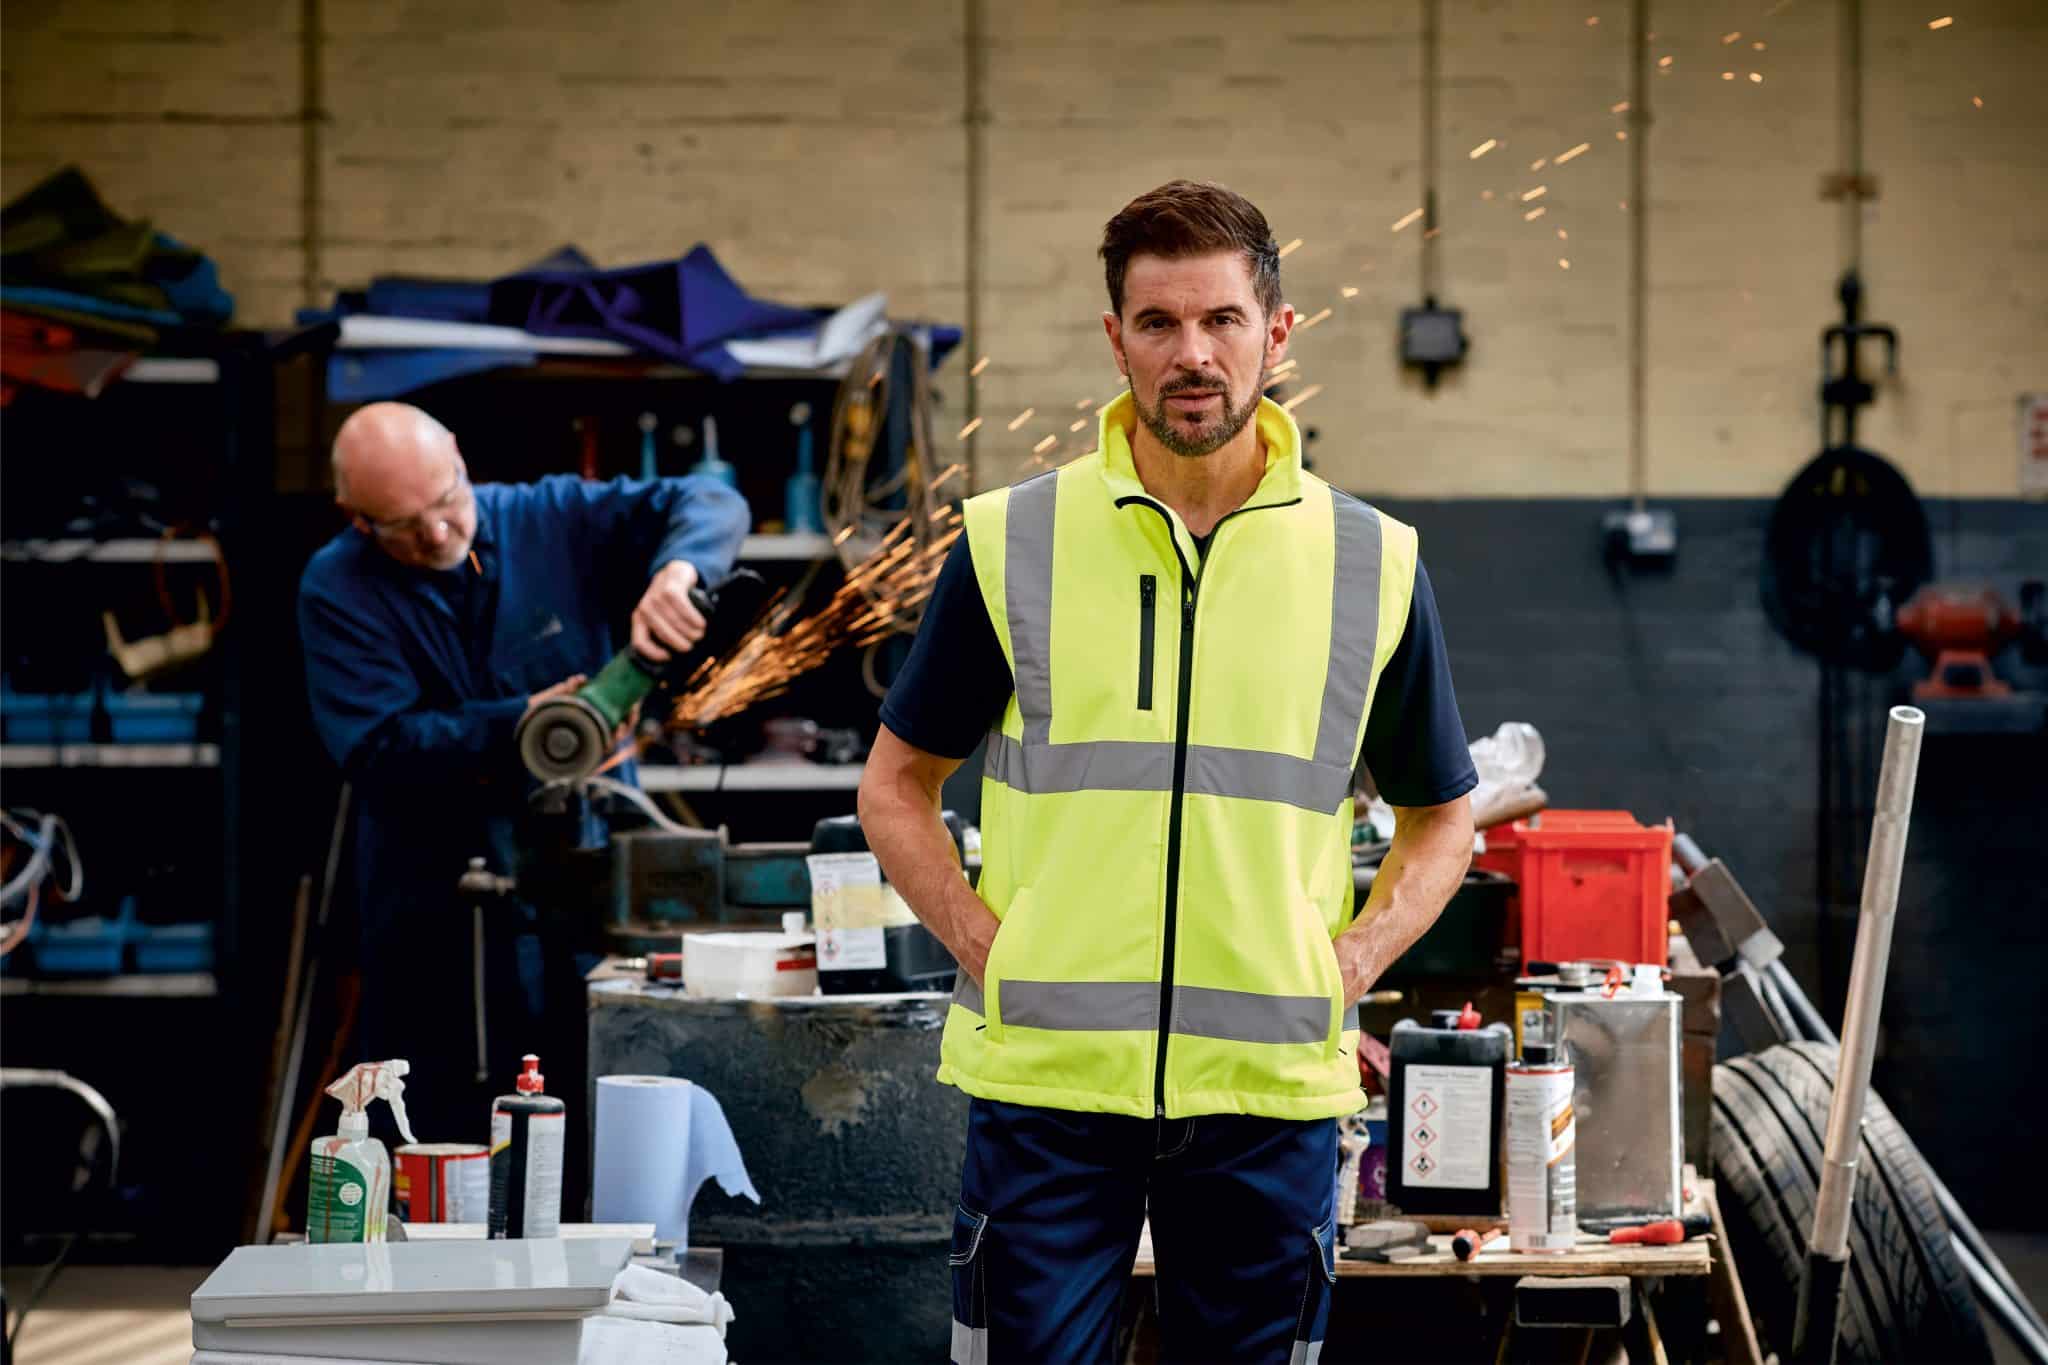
(349, 1191)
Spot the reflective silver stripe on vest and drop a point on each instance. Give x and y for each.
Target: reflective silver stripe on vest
(970, 1344)
(967, 995)
(1107, 1006)
(1198, 1011)
(1037, 766)
(1354, 635)
(1027, 597)
(1147, 766)
(1242, 1017)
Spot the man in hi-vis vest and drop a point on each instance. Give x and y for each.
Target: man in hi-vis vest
(1178, 649)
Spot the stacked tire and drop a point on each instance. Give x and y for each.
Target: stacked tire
(1906, 1297)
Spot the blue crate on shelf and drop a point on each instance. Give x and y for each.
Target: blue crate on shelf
(174, 948)
(91, 945)
(155, 717)
(45, 718)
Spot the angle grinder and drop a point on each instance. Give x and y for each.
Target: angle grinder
(565, 739)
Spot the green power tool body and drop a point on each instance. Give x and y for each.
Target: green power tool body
(564, 739)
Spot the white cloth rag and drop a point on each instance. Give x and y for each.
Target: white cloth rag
(649, 1295)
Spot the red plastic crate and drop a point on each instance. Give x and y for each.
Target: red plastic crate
(1593, 884)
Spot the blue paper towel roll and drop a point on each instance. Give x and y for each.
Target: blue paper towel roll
(659, 1138)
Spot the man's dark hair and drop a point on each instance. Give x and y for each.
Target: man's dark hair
(1191, 218)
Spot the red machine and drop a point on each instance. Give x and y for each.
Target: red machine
(1959, 629)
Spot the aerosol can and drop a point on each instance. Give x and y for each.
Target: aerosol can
(529, 1130)
(1543, 1206)
(349, 1192)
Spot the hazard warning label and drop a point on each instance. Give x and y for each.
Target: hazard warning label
(1447, 1140)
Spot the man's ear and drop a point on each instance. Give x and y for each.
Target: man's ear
(1113, 326)
(1278, 328)
(355, 518)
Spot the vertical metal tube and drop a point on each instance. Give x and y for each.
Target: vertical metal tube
(1638, 253)
(975, 117)
(1866, 978)
(1849, 76)
(1430, 86)
(483, 1061)
(1815, 1327)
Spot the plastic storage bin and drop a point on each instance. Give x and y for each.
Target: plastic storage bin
(174, 948)
(91, 945)
(43, 718)
(154, 717)
(1593, 884)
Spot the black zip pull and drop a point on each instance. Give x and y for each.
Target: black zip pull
(1148, 595)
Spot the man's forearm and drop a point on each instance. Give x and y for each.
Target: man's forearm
(910, 840)
(1422, 870)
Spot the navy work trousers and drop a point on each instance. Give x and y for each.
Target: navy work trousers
(1051, 1204)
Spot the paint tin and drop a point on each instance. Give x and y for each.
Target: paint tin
(442, 1182)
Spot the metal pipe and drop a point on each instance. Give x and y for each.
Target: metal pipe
(2012, 1311)
(1638, 254)
(975, 117)
(1430, 85)
(1849, 54)
(1820, 1298)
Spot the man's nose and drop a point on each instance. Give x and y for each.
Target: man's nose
(1192, 351)
(437, 532)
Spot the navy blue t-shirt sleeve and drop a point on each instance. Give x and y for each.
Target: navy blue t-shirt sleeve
(954, 686)
(1415, 746)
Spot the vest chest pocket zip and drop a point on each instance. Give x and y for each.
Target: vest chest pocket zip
(1148, 608)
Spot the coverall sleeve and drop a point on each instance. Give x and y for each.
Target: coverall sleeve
(632, 527)
(366, 705)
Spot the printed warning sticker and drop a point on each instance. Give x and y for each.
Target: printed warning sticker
(1448, 1139)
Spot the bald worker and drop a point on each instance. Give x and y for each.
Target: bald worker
(430, 624)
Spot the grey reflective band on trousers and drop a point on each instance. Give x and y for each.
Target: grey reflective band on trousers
(970, 1344)
(1133, 1006)
(1037, 766)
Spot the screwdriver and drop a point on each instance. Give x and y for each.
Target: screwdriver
(1466, 1243)
(1665, 1231)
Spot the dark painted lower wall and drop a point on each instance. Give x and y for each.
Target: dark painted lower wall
(1671, 695)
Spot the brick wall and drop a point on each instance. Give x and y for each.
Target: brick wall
(819, 148)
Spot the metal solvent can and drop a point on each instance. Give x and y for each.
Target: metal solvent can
(1543, 1209)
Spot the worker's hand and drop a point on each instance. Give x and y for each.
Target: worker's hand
(627, 726)
(561, 689)
(976, 934)
(666, 622)
(1354, 961)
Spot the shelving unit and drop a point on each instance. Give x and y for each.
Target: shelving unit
(14, 756)
(753, 777)
(131, 550)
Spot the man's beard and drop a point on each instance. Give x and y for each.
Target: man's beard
(1203, 440)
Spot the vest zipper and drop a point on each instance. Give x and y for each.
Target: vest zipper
(1148, 591)
(1191, 587)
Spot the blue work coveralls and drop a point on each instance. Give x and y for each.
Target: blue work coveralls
(417, 680)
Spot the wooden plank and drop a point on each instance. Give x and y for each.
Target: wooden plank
(1592, 1256)
(1724, 1292)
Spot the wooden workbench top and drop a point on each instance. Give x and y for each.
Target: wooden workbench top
(1593, 1256)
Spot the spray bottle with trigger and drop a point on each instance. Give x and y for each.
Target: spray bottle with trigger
(349, 1191)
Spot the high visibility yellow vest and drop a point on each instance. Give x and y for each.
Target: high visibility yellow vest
(1166, 805)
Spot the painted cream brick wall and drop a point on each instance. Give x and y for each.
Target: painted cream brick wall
(819, 149)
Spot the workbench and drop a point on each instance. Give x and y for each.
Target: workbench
(1434, 1306)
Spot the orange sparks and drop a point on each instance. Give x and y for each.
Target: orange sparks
(1047, 444)
(1592, 21)
(1727, 75)
(1758, 45)
(1287, 250)
(1563, 264)
(1079, 424)
(970, 428)
(1943, 22)
(1539, 163)
(1349, 291)
(1302, 397)
(1756, 78)
(1083, 403)
(1405, 219)
(1621, 108)
(1728, 38)
(1621, 134)
(1562, 235)
(1309, 322)
(1533, 214)
(1536, 193)
(1579, 150)
(979, 365)
(1483, 148)
(1486, 195)
(1021, 418)
(1977, 100)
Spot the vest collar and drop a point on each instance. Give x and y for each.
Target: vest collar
(1277, 432)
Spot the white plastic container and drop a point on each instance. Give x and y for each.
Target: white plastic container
(755, 965)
